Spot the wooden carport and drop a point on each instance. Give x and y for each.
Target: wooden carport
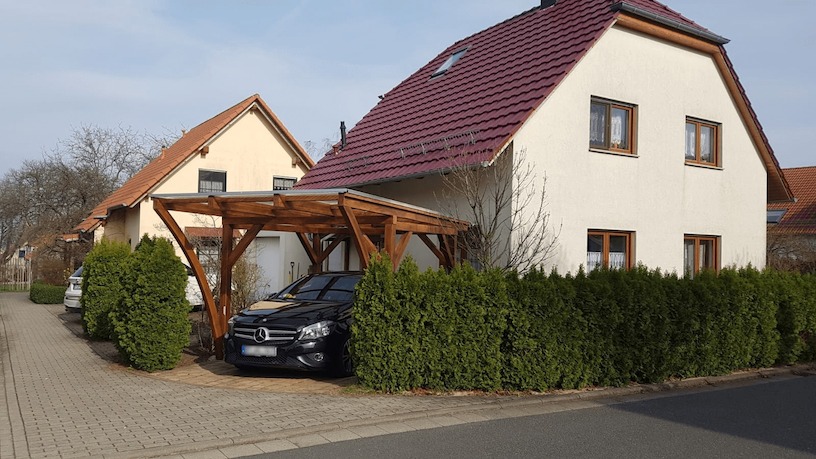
(314, 215)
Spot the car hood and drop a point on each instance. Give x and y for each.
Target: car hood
(293, 312)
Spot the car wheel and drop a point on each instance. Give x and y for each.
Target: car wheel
(344, 365)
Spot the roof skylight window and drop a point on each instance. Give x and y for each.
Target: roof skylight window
(449, 63)
(775, 216)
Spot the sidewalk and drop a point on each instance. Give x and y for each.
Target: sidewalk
(64, 400)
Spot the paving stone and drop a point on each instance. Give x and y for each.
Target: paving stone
(275, 446)
(395, 427)
(308, 440)
(241, 451)
(368, 431)
(214, 454)
(339, 435)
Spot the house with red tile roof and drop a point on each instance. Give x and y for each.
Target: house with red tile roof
(244, 148)
(650, 147)
(792, 225)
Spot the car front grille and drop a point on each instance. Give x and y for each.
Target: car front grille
(275, 336)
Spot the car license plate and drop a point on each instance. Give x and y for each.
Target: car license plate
(259, 351)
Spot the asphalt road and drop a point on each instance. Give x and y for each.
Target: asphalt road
(767, 419)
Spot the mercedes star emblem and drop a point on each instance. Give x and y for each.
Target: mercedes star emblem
(261, 335)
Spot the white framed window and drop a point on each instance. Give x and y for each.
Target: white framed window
(283, 183)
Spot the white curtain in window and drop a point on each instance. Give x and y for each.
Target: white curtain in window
(616, 128)
(691, 141)
(688, 257)
(617, 260)
(597, 124)
(706, 143)
(594, 260)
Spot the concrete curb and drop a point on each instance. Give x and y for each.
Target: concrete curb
(494, 405)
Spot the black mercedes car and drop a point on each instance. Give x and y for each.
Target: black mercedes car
(305, 326)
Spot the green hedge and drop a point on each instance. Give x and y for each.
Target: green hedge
(150, 325)
(102, 287)
(469, 330)
(46, 294)
(446, 332)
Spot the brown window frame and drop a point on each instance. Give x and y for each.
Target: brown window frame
(698, 123)
(715, 240)
(606, 234)
(632, 124)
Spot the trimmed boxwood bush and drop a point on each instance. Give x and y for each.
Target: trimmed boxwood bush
(482, 330)
(41, 293)
(150, 325)
(102, 287)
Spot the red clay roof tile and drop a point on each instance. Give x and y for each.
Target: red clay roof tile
(800, 217)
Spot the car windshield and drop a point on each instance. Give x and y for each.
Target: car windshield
(322, 288)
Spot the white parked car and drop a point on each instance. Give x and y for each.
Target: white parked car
(74, 291)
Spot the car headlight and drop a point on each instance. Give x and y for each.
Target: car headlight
(315, 331)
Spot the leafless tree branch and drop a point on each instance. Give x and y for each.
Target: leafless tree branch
(506, 204)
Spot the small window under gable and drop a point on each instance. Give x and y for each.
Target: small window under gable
(212, 181)
(283, 183)
(449, 63)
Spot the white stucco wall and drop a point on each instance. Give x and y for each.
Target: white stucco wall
(653, 194)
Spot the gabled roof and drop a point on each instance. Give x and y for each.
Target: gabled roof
(426, 123)
(800, 216)
(191, 143)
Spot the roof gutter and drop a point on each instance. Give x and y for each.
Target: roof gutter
(640, 12)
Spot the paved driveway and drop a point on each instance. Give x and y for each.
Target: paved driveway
(63, 400)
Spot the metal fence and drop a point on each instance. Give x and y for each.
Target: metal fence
(15, 275)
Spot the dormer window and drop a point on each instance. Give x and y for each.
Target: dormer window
(449, 63)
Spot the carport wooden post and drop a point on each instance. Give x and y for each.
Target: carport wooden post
(225, 288)
(195, 264)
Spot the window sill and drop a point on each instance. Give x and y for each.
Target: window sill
(615, 153)
(704, 166)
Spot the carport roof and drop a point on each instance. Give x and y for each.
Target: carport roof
(313, 211)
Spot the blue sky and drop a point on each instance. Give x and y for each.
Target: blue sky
(161, 66)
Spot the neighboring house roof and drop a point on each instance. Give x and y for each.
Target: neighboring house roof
(799, 216)
(426, 124)
(191, 143)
